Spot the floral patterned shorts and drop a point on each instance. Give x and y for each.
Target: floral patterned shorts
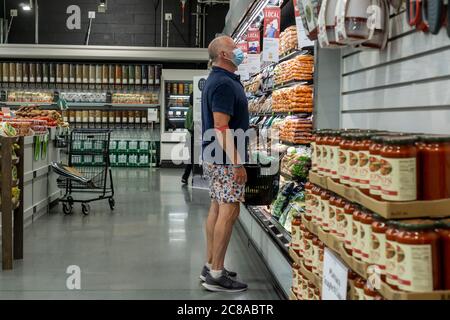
(222, 186)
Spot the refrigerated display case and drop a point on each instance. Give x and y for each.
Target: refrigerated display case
(177, 85)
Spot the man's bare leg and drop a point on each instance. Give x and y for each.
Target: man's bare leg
(228, 214)
(210, 225)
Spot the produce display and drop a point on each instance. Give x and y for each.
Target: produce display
(300, 68)
(298, 98)
(296, 130)
(296, 163)
(52, 118)
(261, 104)
(288, 40)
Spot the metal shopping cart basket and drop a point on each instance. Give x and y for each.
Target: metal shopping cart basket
(88, 170)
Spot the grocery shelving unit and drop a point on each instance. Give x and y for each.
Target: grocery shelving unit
(11, 209)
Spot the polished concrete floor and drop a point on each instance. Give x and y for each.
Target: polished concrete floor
(150, 247)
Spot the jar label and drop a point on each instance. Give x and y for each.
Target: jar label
(391, 262)
(343, 170)
(319, 157)
(308, 252)
(334, 162)
(313, 156)
(308, 203)
(325, 158)
(295, 237)
(375, 178)
(315, 205)
(399, 179)
(363, 172)
(111, 119)
(355, 239)
(378, 250)
(118, 119)
(366, 241)
(415, 267)
(324, 214)
(353, 168)
(347, 226)
(315, 259)
(300, 241)
(332, 219)
(340, 223)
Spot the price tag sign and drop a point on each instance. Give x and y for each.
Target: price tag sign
(335, 277)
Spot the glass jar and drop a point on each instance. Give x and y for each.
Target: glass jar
(344, 154)
(356, 138)
(444, 233)
(319, 153)
(313, 151)
(359, 288)
(316, 205)
(356, 234)
(326, 153)
(295, 278)
(296, 235)
(308, 200)
(418, 257)
(378, 250)
(334, 142)
(304, 288)
(363, 175)
(366, 219)
(399, 169)
(324, 210)
(434, 159)
(340, 218)
(315, 255)
(308, 249)
(347, 224)
(332, 214)
(375, 166)
(391, 254)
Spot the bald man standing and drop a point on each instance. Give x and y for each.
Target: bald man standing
(224, 110)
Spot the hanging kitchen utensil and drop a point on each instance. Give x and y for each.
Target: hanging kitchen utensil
(414, 15)
(309, 11)
(327, 23)
(183, 6)
(433, 14)
(396, 4)
(351, 22)
(379, 22)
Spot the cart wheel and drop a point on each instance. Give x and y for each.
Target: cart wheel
(67, 209)
(112, 203)
(70, 201)
(85, 208)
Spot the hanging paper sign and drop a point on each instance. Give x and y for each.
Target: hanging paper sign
(302, 31)
(253, 40)
(271, 41)
(254, 63)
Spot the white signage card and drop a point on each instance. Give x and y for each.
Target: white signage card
(302, 38)
(152, 115)
(254, 63)
(335, 277)
(270, 52)
(243, 71)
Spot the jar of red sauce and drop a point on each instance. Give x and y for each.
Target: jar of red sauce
(318, 256)
(303, 230)
(347, 226)
(356, 138)
(304, 289)
(324, 213)
(399, 170)
(296, 234)
(378, 250)
(339, 219)
(363, 174)
(316, 205)
(418, 256)
(332, 214)
(319, 154)
(434, 159)
(295, 278)
(391, 254)
(313, 151)
(365, 241)
(356, 234)
(359, 288)
(334, 141)
(325, 153)
(344, 158)
(315, 254)
(375, 166)
(308, 251)
(444, 233)
(308, 198)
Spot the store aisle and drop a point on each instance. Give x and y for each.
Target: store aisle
(150, 247)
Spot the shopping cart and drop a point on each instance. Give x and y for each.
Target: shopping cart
(88, 169)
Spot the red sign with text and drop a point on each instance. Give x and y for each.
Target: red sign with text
(254, 40)
(272, 22)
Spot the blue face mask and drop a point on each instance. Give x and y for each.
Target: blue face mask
(238, 57)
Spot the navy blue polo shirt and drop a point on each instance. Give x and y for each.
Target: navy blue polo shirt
(224, 92)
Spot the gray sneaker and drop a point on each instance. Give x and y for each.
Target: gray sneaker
(223, 284)
(205, 272)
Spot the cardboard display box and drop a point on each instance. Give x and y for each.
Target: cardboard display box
(388, 210)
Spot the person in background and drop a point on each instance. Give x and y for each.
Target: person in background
(189, 125)
(224, 109)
